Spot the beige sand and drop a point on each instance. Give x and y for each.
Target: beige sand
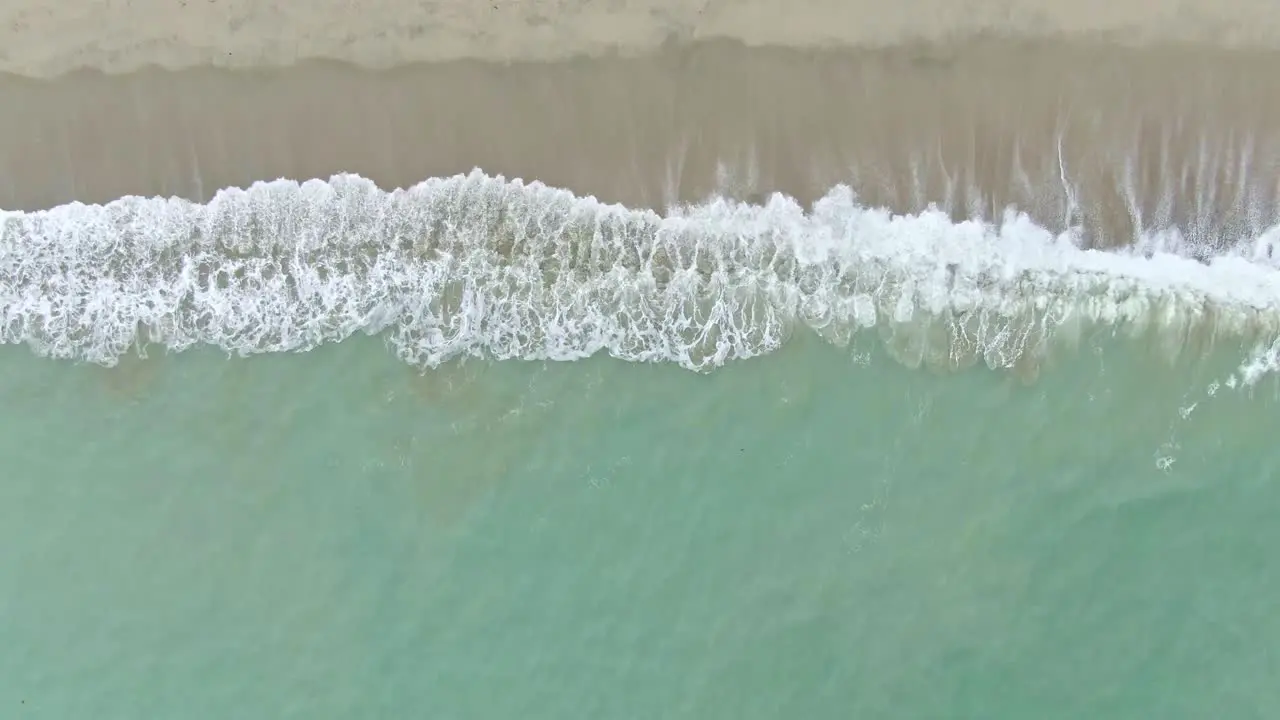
(1177, 136)
(42, 37)
(1091, 113)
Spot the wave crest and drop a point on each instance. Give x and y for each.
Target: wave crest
(479, 265)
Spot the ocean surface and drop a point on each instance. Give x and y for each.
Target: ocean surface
(489, 448)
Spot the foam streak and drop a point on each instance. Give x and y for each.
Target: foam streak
(478, 265)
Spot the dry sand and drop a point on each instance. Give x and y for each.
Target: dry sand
(42, 37)
(1166, 110)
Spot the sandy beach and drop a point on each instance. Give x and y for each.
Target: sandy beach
(1071, 130)
(1111, 115)
(41, 38)
(111, 97)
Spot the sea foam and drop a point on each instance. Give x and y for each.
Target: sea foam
(474, 265)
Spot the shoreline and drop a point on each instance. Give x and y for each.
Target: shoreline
(1187, 138)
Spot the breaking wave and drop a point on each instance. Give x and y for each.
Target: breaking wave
(480, 265)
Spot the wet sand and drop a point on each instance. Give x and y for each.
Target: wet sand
(1074, 131)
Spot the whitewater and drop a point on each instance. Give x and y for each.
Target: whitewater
(478, 265)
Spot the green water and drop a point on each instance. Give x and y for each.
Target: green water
(820, 533)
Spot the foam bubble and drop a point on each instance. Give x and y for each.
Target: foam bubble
(479, 265)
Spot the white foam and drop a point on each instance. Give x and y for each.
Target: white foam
(478, 265)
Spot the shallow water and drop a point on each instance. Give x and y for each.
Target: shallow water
(816, 532)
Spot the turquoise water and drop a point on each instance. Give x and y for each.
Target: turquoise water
(930, 469)
(819, 533)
